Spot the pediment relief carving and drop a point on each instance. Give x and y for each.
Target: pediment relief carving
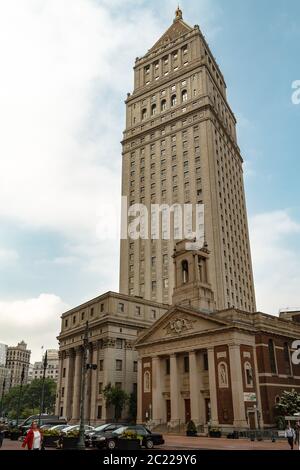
(178, 325)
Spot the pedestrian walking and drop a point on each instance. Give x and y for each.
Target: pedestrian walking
(290, 435)
(34, 438)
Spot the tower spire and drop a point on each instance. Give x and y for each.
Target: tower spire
(178, 14)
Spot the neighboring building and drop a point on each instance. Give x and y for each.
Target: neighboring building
(52, 366)
(180, 146)
(3, 352)
(30, 373)
(4, 380)
(17, 359)
(225, 368)
(115, 321)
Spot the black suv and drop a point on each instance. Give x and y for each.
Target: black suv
(109, 440)
(45, 420)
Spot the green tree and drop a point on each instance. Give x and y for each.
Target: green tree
(116, 397)
(30, 398)
(289, 403)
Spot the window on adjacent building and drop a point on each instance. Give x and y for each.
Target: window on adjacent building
(153, 109)
(100, 389)
(101, 364)
(135, 366)
(173, 100)
(99, 412)
(64, 372)
(248, 374)
(119, 343)
(144, 113)
(153, 314)
(147, 382)
(119, 364)
(272, 357)
(205, 361)
(137, 310)
(101, 307)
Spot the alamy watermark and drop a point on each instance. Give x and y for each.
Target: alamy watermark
(154, 222)
(296, 93)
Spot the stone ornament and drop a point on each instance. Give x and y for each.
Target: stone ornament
(179, 325)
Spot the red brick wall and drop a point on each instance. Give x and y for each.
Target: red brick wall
(249, 358)
(224, 395)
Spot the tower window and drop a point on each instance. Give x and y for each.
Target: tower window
(163, 105)
(173, 100)
(153, 110)
(185, 271)
(184, 95)
(144, 114)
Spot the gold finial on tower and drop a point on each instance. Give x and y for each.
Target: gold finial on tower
(178, 14)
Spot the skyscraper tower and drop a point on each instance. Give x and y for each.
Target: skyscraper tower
(180, 147)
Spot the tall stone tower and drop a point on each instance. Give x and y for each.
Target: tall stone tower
(180, 147)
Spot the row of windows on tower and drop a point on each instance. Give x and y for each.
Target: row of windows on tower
(166, 64)
(164, 105)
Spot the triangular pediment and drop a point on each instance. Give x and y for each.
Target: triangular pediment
(180, 321)
(177, 29)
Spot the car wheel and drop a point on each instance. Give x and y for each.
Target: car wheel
(149, 444)
(111, 444)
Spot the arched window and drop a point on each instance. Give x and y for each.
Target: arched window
(153, 109)
(147, 382)
(272, 356)
(163, 105)
(223, 375)
(184, 95)
(248, 374)
(144, 114)
(173, 100)
(185, 271)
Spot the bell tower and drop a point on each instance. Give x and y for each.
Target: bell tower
(192, 281)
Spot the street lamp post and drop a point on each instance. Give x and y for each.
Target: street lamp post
(20, 393)
(85, 367)
(43, 387)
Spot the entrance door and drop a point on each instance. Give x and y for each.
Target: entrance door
(187, 408)
(252, 423)
(168, 407)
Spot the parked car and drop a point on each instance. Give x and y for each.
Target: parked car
(91, 436)
(59, 427)
(109, 440)
(76, 427)
(45, 419)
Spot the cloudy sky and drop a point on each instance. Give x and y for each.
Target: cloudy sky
(66, 66)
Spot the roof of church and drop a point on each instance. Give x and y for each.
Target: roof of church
(178, 28)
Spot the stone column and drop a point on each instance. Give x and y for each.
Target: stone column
(88, 388)
(139, 418)
(237, 387)
(94, 385)
(194, 379)
(214, 420)
(58, 393)
(174, 390)
(157, 398)
(68, 364)
(77, 385)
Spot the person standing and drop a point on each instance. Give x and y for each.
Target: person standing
(290, 435)
(34, 438)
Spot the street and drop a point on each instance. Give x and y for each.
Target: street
(178, 442)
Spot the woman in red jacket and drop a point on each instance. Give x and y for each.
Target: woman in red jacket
(34, 438)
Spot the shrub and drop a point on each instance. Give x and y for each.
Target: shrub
(191, 427)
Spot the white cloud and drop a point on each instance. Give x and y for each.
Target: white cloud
(8, 256)
(35, 320)
(275, 260)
